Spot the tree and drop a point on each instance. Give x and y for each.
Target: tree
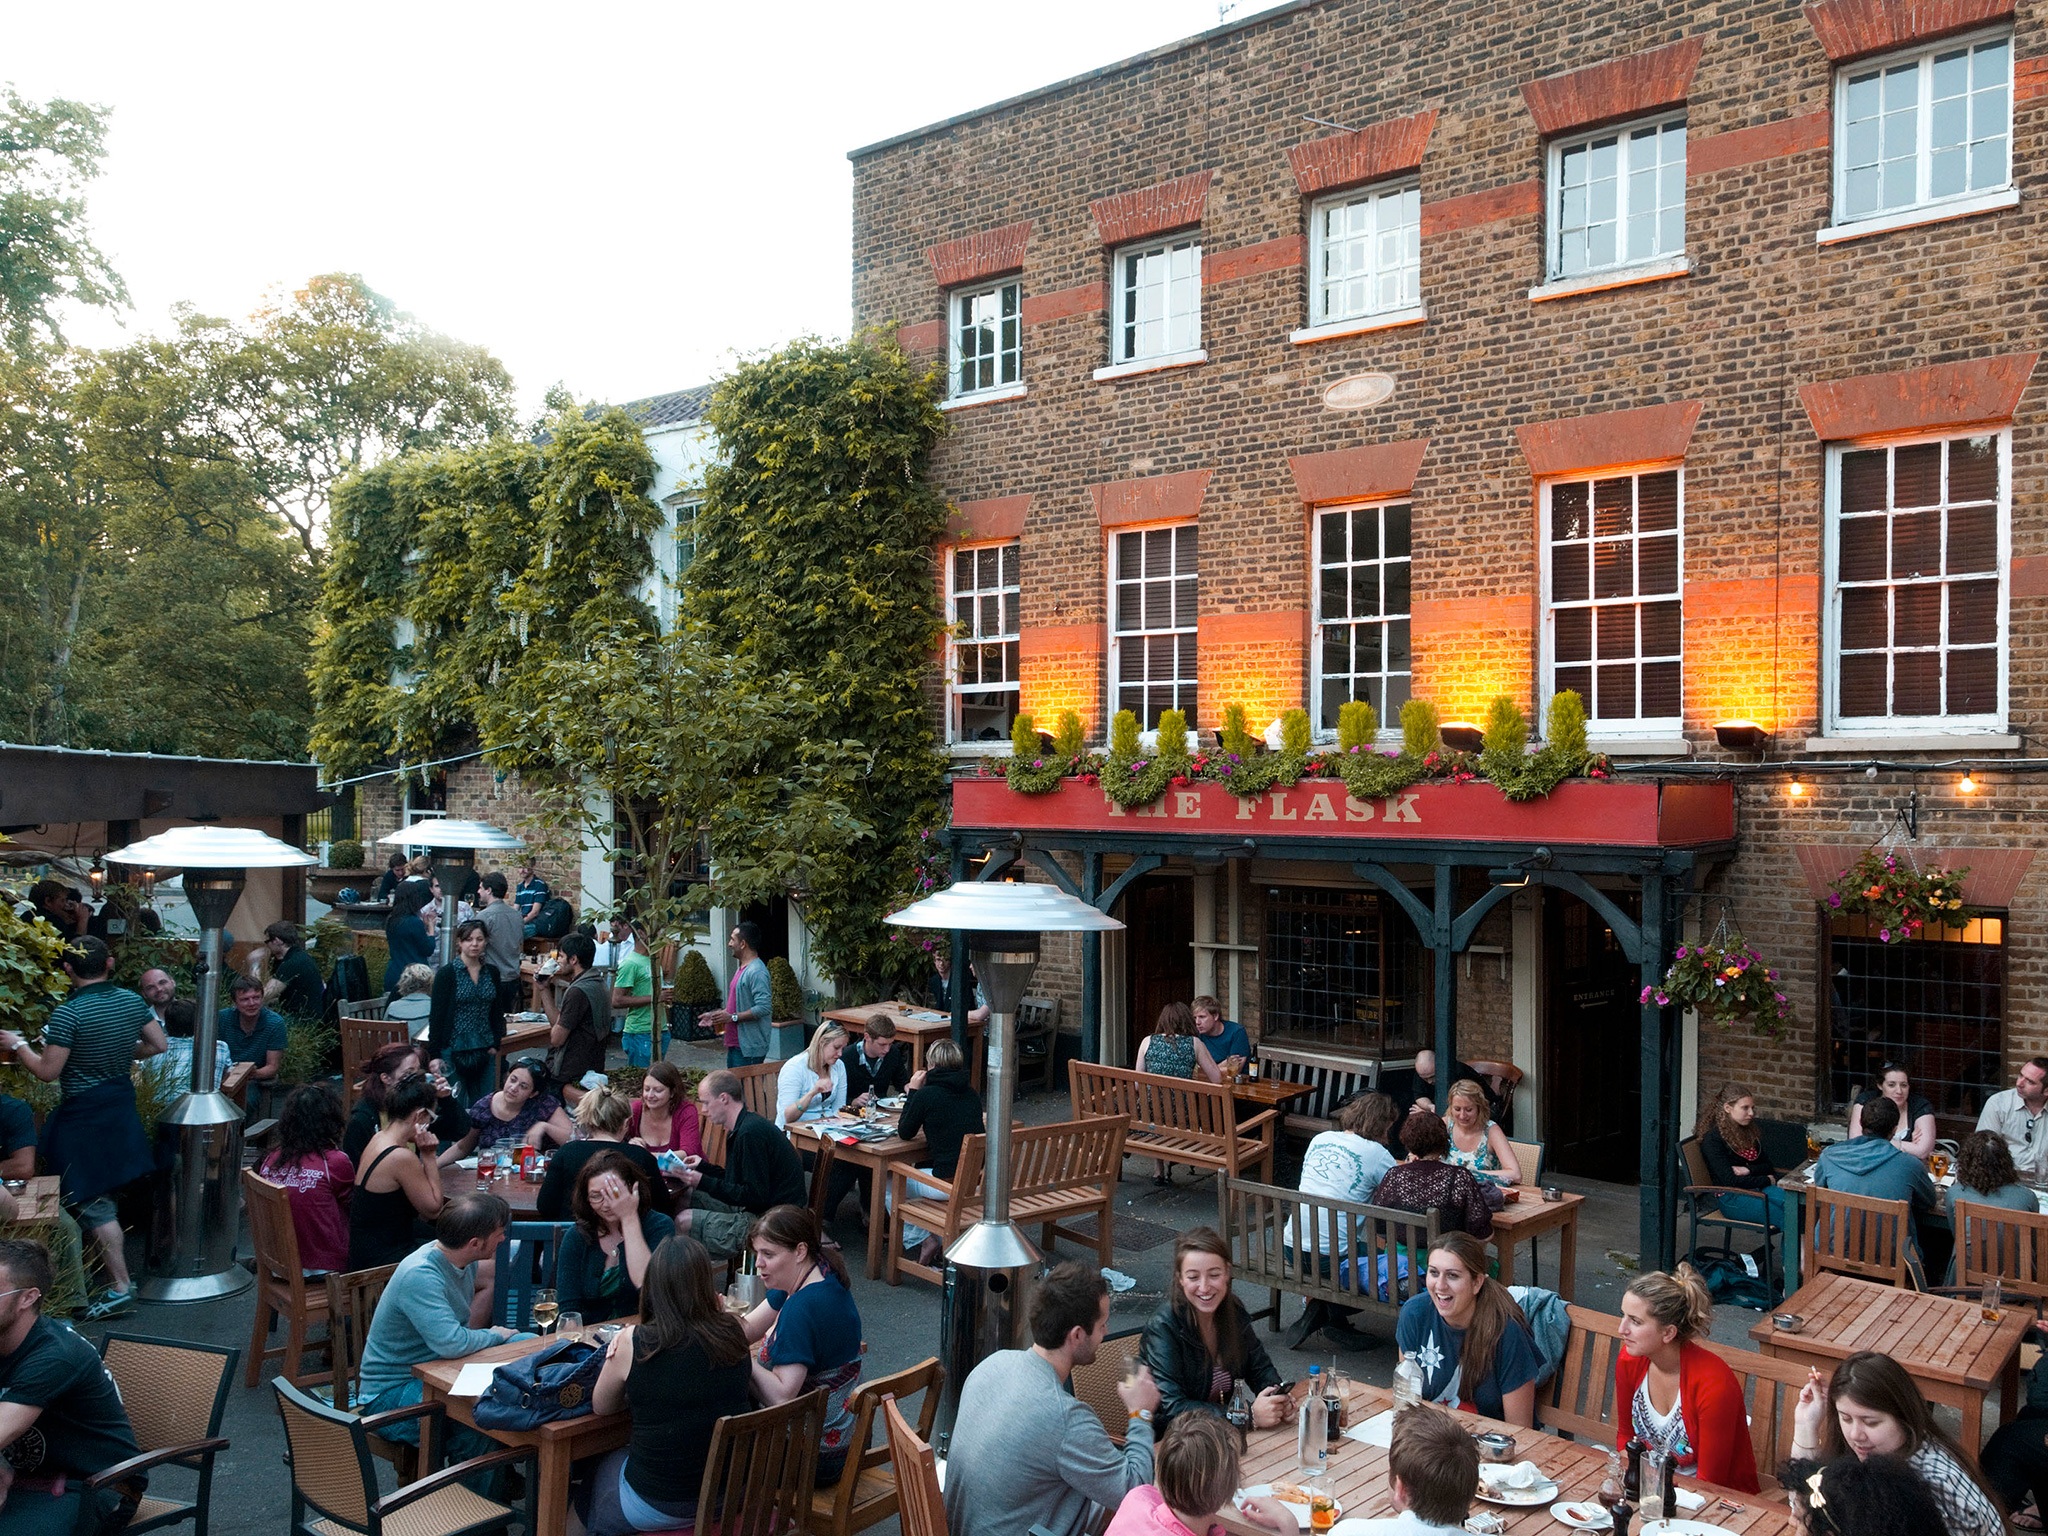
(48, 153)
(814, 563)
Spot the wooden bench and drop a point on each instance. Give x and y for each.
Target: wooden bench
(757, 1091)
(1334, 1078)
(1579, 1400)
(1273, 1235)
(1057, 1172)
(1178, 1120)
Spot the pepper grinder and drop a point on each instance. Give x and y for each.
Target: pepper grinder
(1624, 1512)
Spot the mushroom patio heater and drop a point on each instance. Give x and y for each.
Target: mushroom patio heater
(190, 1252)
(452, 845)
(990, 1264)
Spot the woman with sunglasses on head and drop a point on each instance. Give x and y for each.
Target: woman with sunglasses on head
(1854, 1497)
(1683, 1401)
(387, 1067)
(619, 1223)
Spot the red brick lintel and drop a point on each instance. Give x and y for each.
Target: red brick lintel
(1650, 435)
(1982, 392)
(990, 253)
(1353, 474)
(1153, 499)
(1153, 210)
(1855, 29)
(1610, 91)
(976, 522)
(1352, 159)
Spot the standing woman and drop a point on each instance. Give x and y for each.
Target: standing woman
(808, 1329)
(1173, 1049)
(664, 1118)
(1916, 1116)
(1469, 1337)
(813, 1085)
(1477, 1142)
(619, 1224)
(465, 1026)
(398, 1180)
(405, 934)
(1871, 1408)
(1200, 1343)
(1683, 1401)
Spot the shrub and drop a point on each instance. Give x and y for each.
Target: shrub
(1173, 736)
(1024, 738)
(345, 854)
(1069, 741)
(309, 1047)
(1295, 732)
(1564, 726)
(1358, 725)
(1123, 734)
(786, 998)
(1419, 733)
(1235, 737)
(695, 985)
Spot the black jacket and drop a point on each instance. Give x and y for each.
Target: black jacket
(1721, 1161)
(883, 1078)
(946, 1110)
(441, 1016)
(1172, 1348)
(761, 1168)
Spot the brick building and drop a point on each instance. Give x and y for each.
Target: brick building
(1315, 357)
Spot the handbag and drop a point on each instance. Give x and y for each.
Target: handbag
(552, 1383)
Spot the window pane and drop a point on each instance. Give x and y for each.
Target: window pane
(1574, 634)
(1973, 682)
(1916, 683)
(1184, 551)
(1973, 613)
(1365, 533)
(1613, 507)
(1657, 565)
(1862, 687)
(1615, 629)
(1863, 481)
(1397, 645)
(1973, 469)
(1657, 501)
(1972, 539)
(1916, 614)
(1866, 618)
(1336, 594)
(1916, 476)
(1568, 580)
(1578, 680)
(1568, 511)
(1394, 580)
(1614, 693)
(1397, 531)
(1613, 569)
(1660, 697)
(1334, 525)
(1660, 629)
(1863, 548)
(1916, 544)
(1130, 556)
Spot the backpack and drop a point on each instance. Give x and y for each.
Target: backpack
(536, 1389)
(554, 919)
(1733, 1279)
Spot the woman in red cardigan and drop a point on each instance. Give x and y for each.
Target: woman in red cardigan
(1680, 1400)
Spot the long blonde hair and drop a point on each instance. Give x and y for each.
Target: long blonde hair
(1465, 1088)
(826, 1034)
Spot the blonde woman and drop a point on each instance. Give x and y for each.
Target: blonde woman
(1476, 1142)
(602, 1116)
(1682, 1401)
(813, 1085)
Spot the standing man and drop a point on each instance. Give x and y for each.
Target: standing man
(531, 895)
(580, 1012)
(61, 1416)
(1415, 1087)
(504, 936)
(295, 987)
(254, 1033)
(749, 1009)
(1229, 1046)
(616, 944)
(2015, 1113)
(762, 1170)
(94, 1138)
(634, 996)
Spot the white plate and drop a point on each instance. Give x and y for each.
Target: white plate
(1684, 1528)
(1521, 1498)
(1265, 1490)
(895, 1102)
(1603, 1521)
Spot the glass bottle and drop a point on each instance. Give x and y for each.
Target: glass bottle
(1312, 1436)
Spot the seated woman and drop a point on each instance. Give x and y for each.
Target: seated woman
(1468, 1335)
(601, 1116)
(813, 1085)
(522, 1113)
(1851, 1497)
(1870, 1407)
(679, 1370)
(1916, 1129)
(1173, 1049)
(618, 1224)
(414, 1004)
(1683, 1401)
(1194, 1473)
(1985, 1175)
(808, 1330)
(1477, 1142)
(1736, 1158)
(943, 1107)
(389, 1066)
(664, 1117)
(1200, 1343)
(1344, 1163)
(316, 1174)
(1427, 1183)
(398, 1180)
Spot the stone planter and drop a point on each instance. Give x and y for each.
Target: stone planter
(327, 884)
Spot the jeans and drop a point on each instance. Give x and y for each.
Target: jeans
(1753, 1207)
(641, 1050)
(458, 1442)
(2015, 1461)
(608, 1506)
(913, 1234)
(734, 1057)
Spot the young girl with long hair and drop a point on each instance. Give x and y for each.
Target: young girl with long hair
(1200, 1343)
(1469, 1337)
(1677, 1398)
(1735, 1155)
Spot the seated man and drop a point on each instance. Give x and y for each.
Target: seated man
(876, 1066)
(1229, 1045)
(1433, 1466)
(761, 1170)
(1028, 1456)
(1415, 1087)
(2015, 1112)
(1872, 1165)
(254, 1033)
(61, 1419)
(424, 1315)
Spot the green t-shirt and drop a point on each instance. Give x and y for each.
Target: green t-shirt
(635, 978)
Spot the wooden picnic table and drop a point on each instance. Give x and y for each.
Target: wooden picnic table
(1359, 1477)
(523, 1195)
(38, 1199)
(522, 1035)
(556, 1445)
(1944, 1343)
(920, 1027)
(1527, 1219)
(875, 1156)
(1269, 1092)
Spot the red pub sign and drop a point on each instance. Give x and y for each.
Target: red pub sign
(1631, 815)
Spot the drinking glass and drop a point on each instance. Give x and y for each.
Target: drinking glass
(1655, 1471)
(570, 1323)
(545, 1310)
(1992, 1301)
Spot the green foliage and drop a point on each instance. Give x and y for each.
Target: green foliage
(309, 1048)
(1069, 742)
(1296, 734)
(1564, 728)
(696, 987)
(1123, 734)
(786, 997)
(1235, 737)
(1358, 725)
(158, 1086)
(32, 979)
(1504, 740)
(1024, 737)
(49, 151)
(1173, 736)
(345, 854)
(1420, 729)
(143, 951)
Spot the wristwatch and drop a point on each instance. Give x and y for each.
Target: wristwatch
(1142, 1413)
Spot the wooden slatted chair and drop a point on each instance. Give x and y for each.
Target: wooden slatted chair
(1095, 1383)
(1993, 1243)
(525, 1262)
(362, 1038)
(175, 1394)
(866, 1494)
(1860, 1235)
(351, 1307)
(1179, 1120)
(1502, 1078)
(760, 1471)
(923, 1510)
(757, 1092)
(821, 1177)
(334, 1478)
(281, 1288)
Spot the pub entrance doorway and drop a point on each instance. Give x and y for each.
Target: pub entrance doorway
(1159, 964)
(1592, 1042)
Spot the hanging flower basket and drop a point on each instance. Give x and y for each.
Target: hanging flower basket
(1728, 983)
(1896, 899)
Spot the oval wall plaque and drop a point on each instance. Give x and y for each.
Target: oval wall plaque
(1359, 392)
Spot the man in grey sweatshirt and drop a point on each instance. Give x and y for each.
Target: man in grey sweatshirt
(1872, 1164)
(1027, 1454)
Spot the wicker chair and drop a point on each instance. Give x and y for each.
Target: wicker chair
(281, 1289)
(865, 1494)
(175, 1394)
(760, 1472)
(351, 1307)
(334, 1478)
(917, 1476)
(1095, 1383)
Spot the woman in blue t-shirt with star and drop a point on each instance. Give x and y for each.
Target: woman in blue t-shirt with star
(807, 1333)
(1468, 1336)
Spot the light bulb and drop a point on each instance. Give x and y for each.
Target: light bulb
(1796, 789)
(1967, 785)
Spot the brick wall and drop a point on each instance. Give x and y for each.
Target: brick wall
(475, 793)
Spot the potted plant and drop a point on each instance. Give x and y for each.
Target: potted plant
(344, 868)
(696, 989)
(1728, 983)
(786, 1001)
(1896, 899)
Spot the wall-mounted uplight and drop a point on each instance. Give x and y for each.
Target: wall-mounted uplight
(1740, 735)
(1462, 736)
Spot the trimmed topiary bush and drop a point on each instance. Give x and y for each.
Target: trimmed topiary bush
(345, 854)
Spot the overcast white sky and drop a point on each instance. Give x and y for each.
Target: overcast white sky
(617, 196)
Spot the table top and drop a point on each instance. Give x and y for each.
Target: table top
(439, 1376)
(887, 1149)
(1269, 1091)
(1937, 1337)
(523, 1195)
(39, 1198)
(1360, 1478)
(1532, 1207)
(526, 1035)
(900, 1014)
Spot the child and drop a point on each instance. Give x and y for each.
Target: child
(1194, 1473)
(1435, 1469)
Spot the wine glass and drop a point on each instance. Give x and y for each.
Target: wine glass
(570, 1323)
(545, 1309)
